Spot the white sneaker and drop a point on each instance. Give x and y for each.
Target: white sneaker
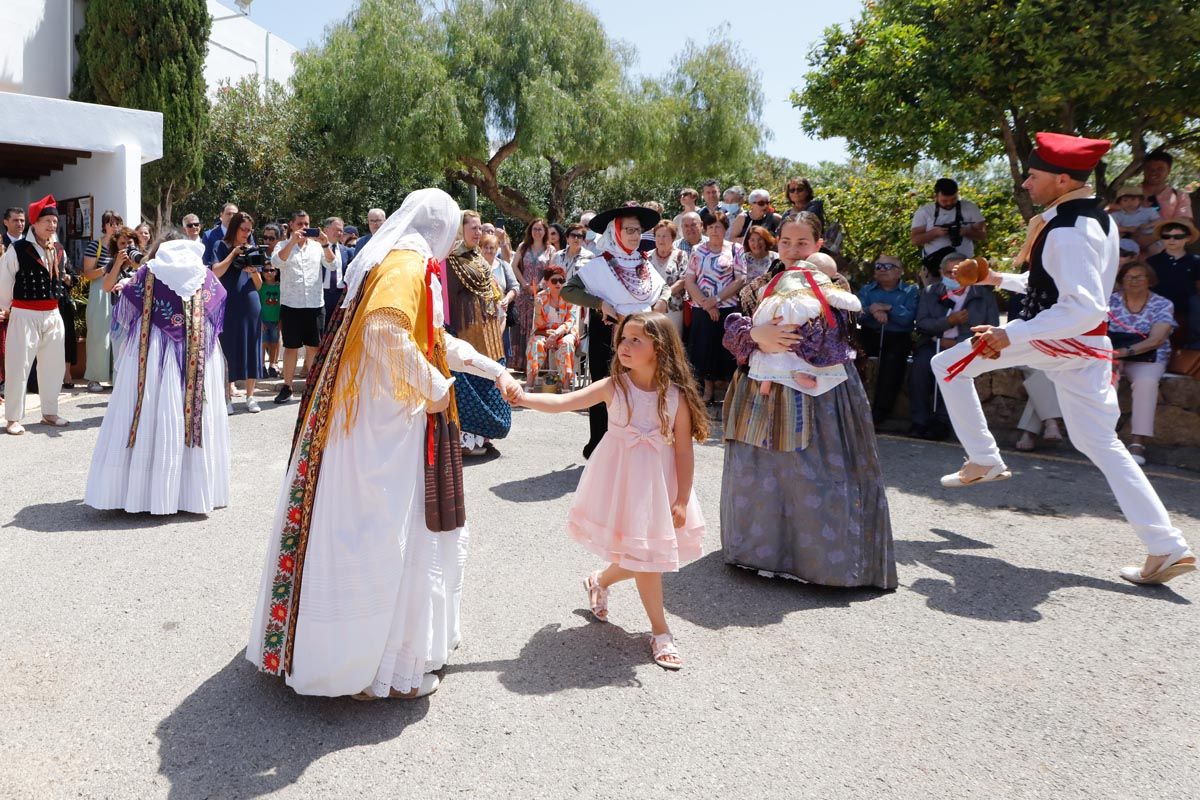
(229, 407)
(252, 405)
(94, 386)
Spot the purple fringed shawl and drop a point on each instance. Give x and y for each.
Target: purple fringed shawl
(169, 313)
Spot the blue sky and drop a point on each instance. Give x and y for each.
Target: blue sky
(776, 35)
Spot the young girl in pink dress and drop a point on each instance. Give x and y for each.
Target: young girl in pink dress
(635, 507)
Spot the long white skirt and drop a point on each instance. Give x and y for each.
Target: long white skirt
(158, 474)
(380, 592)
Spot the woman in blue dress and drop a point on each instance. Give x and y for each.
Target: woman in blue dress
(241, 340)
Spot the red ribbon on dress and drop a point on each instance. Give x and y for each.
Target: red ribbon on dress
(432, 267)
(812, 284)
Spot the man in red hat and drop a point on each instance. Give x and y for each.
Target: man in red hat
(31, 285)
(1072, 250)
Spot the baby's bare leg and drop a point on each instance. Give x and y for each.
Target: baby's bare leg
(804, 381)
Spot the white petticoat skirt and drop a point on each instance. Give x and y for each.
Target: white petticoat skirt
(379, 593)
(158, 474)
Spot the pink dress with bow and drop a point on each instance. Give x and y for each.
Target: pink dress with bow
(622, 508)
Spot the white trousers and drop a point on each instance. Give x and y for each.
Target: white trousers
(33, 334)
(1143, 387)
(1089, 409)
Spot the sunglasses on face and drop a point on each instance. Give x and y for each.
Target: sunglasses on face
(1174, 236)
(557, 281)
(760, 202)
(192, 225)
(576, 235)
(883, 266)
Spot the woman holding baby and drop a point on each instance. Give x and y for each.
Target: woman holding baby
(802, 491)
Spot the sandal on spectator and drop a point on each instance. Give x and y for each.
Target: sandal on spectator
(1051, 431)
(14, 428)
(597, 596)
(666, 655)
(1138, 451)
(57, 422)
(1027, 442)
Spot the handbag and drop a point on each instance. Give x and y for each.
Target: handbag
(1185, 362)
(1122, 339)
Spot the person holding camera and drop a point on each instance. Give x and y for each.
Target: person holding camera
(300, 258)
(239, 265)
(947, 225)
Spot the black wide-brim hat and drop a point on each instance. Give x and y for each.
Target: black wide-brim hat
(648, 217)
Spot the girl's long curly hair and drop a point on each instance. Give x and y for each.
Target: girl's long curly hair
(671, 369)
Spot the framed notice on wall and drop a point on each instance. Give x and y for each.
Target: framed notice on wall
(76, 213)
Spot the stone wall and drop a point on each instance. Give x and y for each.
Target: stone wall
(1176, 424)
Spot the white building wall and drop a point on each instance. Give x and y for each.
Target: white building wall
(37, 50)
(238, 47)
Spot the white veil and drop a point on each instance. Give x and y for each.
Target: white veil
(427, 222)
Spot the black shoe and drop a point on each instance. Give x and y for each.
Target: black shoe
(272, 372)
(587, 450)
(284, 395)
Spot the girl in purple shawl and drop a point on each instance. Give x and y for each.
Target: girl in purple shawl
(164, 443)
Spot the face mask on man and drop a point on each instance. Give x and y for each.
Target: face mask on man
(950, 284)
(729, 208)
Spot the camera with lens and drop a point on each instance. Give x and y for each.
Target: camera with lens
(252, 257)
(954, 231)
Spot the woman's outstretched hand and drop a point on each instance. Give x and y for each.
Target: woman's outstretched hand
(509, 387)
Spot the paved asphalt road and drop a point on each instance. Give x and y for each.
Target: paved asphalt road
(1011, 663)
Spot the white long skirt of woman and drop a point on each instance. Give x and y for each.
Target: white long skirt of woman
(159, 474)
(379, 606)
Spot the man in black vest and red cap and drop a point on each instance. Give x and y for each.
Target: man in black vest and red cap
(1072, 249)
(31, 284)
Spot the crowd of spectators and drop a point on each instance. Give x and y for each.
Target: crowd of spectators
(285, 280)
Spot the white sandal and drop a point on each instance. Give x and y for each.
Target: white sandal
(956, 480)
(664, 651)
(14, 428)
(1175, 565)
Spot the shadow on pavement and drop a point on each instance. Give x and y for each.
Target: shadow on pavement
(986, 588)
(714, 595)
(72, 516)
(556, 658)
(244, 734)
(540, 488)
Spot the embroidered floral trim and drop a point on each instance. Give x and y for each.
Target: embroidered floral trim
(143, 353)
(639, 285)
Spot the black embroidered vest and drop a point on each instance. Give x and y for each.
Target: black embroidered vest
(1040, 292)
(33, 281)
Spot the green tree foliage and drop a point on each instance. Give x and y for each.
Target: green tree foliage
(463, 90)
(966, 80)
(155, 62)
(261, 153)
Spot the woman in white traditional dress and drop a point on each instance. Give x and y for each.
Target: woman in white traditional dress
(363, 578)
(619, 281)
(164, 442)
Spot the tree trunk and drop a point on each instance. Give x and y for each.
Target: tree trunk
(508, 200)
(561, 181)
(1017, 149)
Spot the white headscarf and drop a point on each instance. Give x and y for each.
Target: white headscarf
(427, 222)
(179, 264)
(609, 243)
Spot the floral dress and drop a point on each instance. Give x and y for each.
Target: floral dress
(549, 315)
(531, 266)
